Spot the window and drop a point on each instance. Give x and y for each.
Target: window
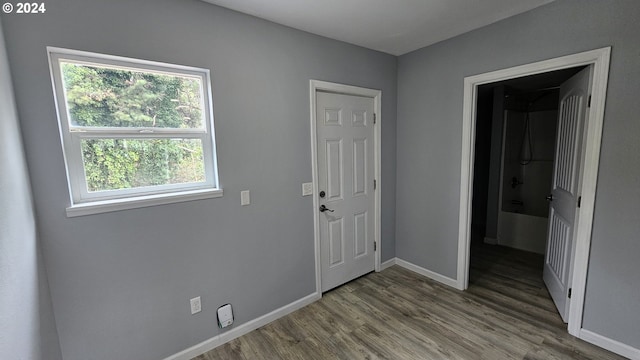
(134, 132)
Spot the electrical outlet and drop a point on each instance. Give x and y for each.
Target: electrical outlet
(196, 305)
(307, 189)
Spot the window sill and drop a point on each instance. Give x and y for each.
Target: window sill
(98, 207)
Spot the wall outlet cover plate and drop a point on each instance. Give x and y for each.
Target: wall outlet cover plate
(196, 305)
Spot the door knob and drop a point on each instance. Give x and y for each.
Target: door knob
(324, 208)
(550, 197)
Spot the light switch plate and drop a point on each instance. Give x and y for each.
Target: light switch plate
(245, 197)
(307, 189)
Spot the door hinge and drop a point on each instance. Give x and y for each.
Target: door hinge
(374, 118)
(375, 184)
(589, 101)
(579, 200)
(569, 295)
(375, 246)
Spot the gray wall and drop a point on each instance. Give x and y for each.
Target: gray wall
(430, 92)
(27, 329)
(121, 281)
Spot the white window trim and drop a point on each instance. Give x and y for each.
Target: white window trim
(83, 202)
(98, 207)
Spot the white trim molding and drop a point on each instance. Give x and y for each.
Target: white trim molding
(389, 263)
(376, 95)
(243, 329)
(428, 273)
(599, 59)
(610, 344)
(98, 207)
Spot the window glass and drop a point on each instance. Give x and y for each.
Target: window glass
(112, 97)
(112, 164)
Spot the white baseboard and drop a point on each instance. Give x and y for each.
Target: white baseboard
(428, 273)
(387, 264)
(610, 344)
(225, 337)
(490, 241)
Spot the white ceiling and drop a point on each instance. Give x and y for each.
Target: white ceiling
(392, 26)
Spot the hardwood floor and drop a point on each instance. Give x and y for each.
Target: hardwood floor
(396, 314)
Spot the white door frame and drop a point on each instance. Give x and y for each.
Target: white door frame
(599, 58)
(376, 95)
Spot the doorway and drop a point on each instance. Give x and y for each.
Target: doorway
(599, 60)
(345, 147)
(512, 197)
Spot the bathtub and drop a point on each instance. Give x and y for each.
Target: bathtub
(522, 231)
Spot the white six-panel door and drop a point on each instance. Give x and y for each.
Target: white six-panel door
(345, 186)
(572, 115)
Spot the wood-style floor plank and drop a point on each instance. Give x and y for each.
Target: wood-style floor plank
(396, 314)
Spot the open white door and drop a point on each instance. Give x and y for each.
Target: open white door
(345, 139)
(563, 200)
